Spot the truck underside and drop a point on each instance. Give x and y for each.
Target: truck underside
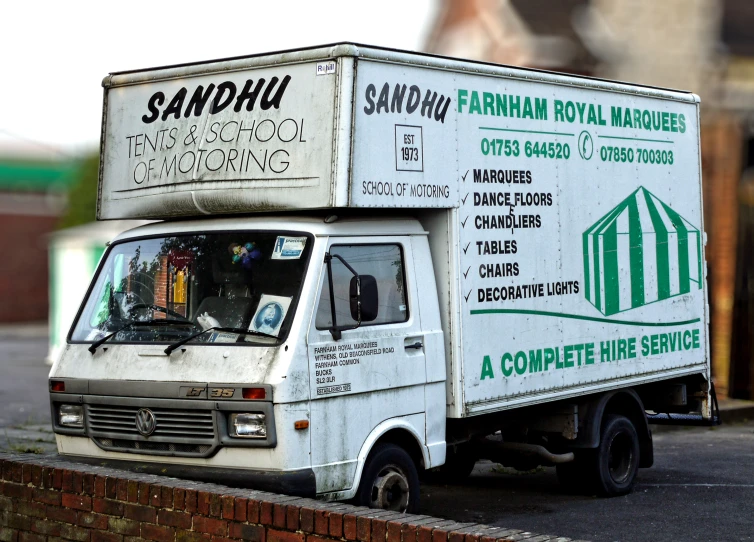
(569, 434)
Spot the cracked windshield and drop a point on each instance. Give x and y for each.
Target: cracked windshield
(224, 287)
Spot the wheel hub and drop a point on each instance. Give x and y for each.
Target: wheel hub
(620, 458)
(390, 490)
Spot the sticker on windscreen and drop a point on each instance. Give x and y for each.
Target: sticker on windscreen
(270, 314)
(223, 337)
(288, 248)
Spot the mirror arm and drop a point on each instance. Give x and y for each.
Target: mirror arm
(358, 299)
(336, 331)
(348, 266)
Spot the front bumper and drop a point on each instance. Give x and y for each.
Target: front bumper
(301, 482)
(184, 428)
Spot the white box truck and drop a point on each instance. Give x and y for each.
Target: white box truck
(372, 264)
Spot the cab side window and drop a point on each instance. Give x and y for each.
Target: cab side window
(385, 263)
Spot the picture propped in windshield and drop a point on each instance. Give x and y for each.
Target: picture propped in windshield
(220, 287)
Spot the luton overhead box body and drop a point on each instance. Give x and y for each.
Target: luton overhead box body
(515, 259)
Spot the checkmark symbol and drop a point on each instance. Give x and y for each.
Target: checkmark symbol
(464, 175)
(466, 272)
(467, 296)
(463, 222)
(467, 247)
(463, 200)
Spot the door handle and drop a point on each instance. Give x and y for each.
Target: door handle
(417, 345)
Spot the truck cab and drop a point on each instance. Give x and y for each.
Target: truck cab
(259, 392)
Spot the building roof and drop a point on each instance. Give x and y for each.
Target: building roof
(545, 17)
(537, 33)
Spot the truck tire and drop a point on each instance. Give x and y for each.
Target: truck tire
(616, 460)
(389, 481)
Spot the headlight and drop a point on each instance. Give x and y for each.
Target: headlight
(248, 426)
(71, 415)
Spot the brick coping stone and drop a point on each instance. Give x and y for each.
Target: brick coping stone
(48, 498)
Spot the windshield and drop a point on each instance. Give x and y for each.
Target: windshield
(165, 289)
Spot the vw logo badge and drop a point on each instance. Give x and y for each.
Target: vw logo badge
(145, 422)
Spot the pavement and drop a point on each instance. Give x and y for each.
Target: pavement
(700, 488)
(736, 410)
(24, 404)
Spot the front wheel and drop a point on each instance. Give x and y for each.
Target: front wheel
(389, 481)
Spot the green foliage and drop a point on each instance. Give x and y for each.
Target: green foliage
(82, 197)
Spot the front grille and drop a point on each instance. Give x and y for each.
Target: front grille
(171, 423)
(153, 447)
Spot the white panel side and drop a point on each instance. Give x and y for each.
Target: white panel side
(236, 141)
(538, 166)
(535, 167)
(404, 146)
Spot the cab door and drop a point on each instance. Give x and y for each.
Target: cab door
(373, 373)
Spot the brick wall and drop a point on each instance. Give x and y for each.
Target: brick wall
(49, 499)
(23, 272)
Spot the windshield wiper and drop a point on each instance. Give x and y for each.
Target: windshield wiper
(152, 322)
(238, 330)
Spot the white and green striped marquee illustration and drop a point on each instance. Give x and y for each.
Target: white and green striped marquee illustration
(640, 252)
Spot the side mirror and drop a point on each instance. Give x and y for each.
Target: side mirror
(363, 295)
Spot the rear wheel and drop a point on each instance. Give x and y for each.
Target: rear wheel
(389, 481)
(609, 470)
(617, 457)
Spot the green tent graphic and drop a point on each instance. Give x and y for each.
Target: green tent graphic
(640, 252)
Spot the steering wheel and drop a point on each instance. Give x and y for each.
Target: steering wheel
(157, 308)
